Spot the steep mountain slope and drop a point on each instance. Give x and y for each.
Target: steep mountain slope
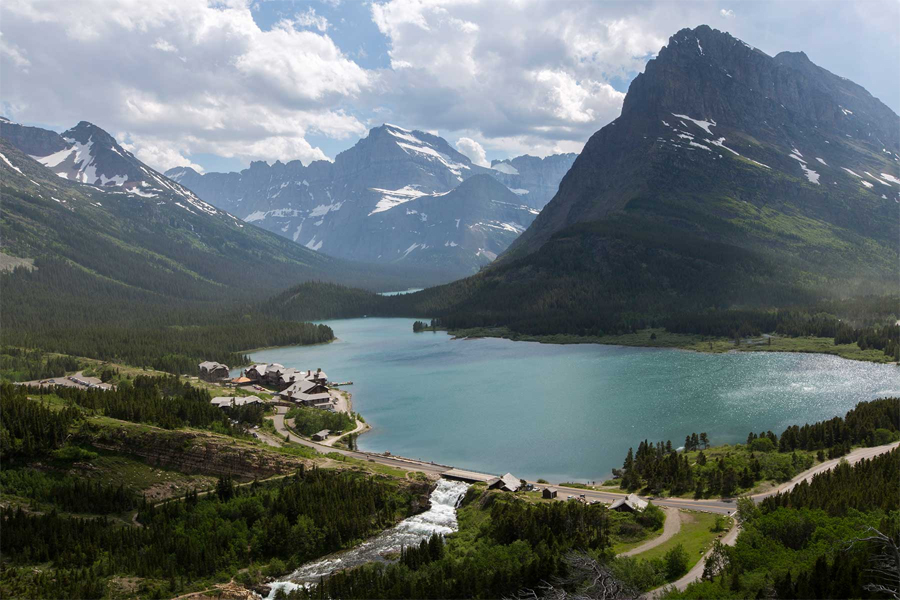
(358, 206)
(731, 179)
(535, 179)
(138, 233)
(712, 114)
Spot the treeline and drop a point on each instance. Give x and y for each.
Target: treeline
(868, 423)
(660, 467)
(867, 322)
(29, 428)
(419, 326)
(295, 520)
(834, 537)
(520, 546)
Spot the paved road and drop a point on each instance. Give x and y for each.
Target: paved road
(719, 506)
(670, 529)
(391, 461)
(853, 457)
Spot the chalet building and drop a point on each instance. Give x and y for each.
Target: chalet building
(318, 376)
(239, 381)
(255, 373)
(507, 483)
(273, 374)
(228, 401)
(321, 436)
(629, 503)
(549, 493)
(280, 377)
(308, 393)
(213, 371)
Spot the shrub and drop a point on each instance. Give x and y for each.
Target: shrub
(74, 453)
(652, 517)
(676, 561)
(762, 444)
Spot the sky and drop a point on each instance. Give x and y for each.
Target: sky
(215, 84)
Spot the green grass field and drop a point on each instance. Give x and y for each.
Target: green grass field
(696, 536)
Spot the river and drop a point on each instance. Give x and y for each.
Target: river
(439, 518)
(568, 413)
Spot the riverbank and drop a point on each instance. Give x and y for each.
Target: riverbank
(660, 338)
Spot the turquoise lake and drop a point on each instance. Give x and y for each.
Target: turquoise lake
(568, 413)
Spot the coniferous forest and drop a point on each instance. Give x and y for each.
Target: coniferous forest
(661, 468)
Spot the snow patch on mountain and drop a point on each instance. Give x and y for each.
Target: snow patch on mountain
(323, 209)
(811, 175)
(704, 125)
(392, 198)
(11, 166)
(505, 168)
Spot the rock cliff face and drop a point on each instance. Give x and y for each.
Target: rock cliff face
(194, 452)
(367, 205)
(539, 177)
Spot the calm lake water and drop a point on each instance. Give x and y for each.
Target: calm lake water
(568, 413)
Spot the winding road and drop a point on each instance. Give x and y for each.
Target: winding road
(670, 530)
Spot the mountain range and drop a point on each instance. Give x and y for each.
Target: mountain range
(397, 196)
(92, 234)
(732, 179)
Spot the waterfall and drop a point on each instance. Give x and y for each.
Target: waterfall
(440, 518)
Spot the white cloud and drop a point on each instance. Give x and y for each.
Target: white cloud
(161, 44)
(311, 19)
(219, 84)
(520, 76)
(473, 150)
(534, 72)
(158, 154)
(14, 54)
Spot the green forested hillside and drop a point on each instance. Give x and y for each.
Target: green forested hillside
(157, 279)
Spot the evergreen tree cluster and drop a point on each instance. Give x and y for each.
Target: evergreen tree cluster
(56, 308)
(873, 324)
(834, 537)
(68, 492)
(296, 519)
(867, 485)
(165, 401)
(308, 421)
(29, 428)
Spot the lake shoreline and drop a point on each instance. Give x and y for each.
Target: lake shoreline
(419, 394)
(688, 342)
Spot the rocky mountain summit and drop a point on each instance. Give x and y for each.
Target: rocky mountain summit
(395, 196)
(712, 114)
(88, 154)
